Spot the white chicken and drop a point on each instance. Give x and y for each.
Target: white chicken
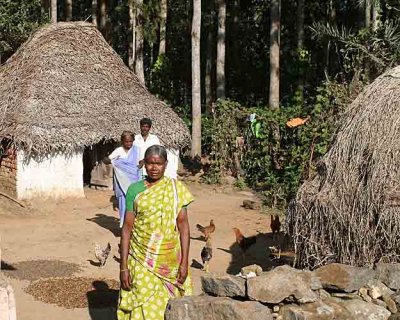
(102, 254)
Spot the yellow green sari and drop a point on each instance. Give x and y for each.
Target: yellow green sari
(155, 252)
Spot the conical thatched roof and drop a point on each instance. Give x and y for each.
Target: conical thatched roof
(66, 88)
(350, 211)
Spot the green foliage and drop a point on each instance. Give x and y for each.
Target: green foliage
(299, 147)
(18, 18)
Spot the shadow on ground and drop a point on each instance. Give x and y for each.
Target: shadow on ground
(256, 254)
(107, 222)
(102, 301)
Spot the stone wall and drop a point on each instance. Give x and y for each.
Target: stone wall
(335, 291)
(8, 172)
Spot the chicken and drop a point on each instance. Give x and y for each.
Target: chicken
(206, 230)
(292, 123)
(244, 242)
(206, 254)
(275, 225)
(102, 254)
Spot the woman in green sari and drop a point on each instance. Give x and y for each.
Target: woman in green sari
(155, 242)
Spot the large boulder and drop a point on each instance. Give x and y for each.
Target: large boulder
(223, 285)
(389, 274)
(332, 309)
(7, 301)
(345, 278)
(284, 283)
(212, 308)
(361, 310)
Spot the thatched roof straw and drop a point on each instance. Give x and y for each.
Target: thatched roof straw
(350, 211)
(66, 88)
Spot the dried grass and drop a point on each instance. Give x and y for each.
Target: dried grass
(350, 211)
(66, 88)
(76, 292)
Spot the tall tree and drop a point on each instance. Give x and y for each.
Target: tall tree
(208, 71)
(367, 13)
(94, 12)
(300, 42)
(132, 43)
(68, 10)
(103, 15)
(163, 25)
(139, 43)
(53, 11)
(274, 54)
(221, 50)
(196, 90)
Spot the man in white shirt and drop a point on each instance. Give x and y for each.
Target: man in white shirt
(144, 140)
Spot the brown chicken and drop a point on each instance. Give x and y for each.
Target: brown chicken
(275, 225)
(206, 230)
(244, 242)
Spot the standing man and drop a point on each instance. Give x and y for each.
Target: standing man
(145, 140)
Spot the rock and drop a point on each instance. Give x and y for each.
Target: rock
(275, 308)
(223, 285)
(7, 301)
(379, 303)
(345, 296)
(396, 298)
(252, 268)
(323, 294)
(363, 292)
(249, 204)
(390, 304)
(389, 274)
(377, 289)
(342, 277)
(211, 308)
(395, 316)
(361, 310)
(320, 310)
(282, 283)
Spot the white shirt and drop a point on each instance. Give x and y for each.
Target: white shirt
(151, 140)
(119, 152)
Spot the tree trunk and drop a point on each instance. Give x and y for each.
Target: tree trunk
(196, 90)
(163, 26)
(94, 13)
(367, 17)
(103, 15)
(132, 43)
(375, 16)
(300, 43)
(68, 10)
(139, 66)
(274, 54)
(207, 80)
(221, 50)
(53, 11)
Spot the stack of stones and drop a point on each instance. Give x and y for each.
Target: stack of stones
(334, 291)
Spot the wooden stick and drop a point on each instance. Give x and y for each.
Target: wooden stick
(12, 199)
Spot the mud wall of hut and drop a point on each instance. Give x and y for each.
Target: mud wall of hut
(8, 172)
(52, 176)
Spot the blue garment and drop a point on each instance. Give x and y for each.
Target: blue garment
(126, 172)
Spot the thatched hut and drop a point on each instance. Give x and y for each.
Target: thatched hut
(65, 90)
(350, 211)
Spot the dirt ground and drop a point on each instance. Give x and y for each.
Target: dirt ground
(68, 230)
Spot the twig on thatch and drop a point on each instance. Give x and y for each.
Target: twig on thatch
(12, 199)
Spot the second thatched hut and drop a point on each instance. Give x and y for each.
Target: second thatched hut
(350, 211)
(62, 93)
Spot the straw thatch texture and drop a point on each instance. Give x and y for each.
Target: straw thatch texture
(66, 88)
(350, 211)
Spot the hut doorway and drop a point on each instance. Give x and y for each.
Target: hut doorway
(95, 172)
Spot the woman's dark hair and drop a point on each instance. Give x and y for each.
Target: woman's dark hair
(127, 134)
(156, 150)
(146, 121)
